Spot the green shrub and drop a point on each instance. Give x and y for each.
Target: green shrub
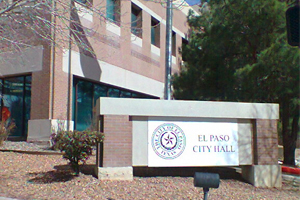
(5, 130)
(77, 145)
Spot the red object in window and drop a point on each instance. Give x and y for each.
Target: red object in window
(5, 113)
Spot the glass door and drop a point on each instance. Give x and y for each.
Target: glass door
(15, 104)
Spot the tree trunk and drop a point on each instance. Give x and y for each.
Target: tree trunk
(289, 152)
(289, 134)
(76, 167)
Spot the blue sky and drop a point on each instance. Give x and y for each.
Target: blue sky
(192, 2)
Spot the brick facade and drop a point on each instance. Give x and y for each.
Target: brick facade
(265, 142)
(118, 141)
(109, 54)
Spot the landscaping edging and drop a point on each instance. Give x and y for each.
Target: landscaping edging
(32, 152)
(290, 170)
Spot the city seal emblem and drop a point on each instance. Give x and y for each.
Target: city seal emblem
(168, 141)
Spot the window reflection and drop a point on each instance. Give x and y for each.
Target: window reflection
(83, 108)
(125, 94)
(99, 91)
(113, 92)
(86, 95)
(15, 96)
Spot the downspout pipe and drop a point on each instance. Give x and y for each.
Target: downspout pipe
(69, 68)
(53, 30)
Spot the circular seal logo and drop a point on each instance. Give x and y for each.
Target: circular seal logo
(168, 141)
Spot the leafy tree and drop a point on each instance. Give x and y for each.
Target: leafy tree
(275, 78)
(237, 51)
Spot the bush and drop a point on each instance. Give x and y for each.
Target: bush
(77, 145)
(5, 130)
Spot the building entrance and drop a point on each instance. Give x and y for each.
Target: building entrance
(15, 97)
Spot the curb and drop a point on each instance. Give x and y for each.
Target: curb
(35, 152)
(32, 152)
(290, 170)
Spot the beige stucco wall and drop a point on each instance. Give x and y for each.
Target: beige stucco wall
(26, 60)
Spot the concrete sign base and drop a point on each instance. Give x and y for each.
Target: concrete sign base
(164, 133)
(114, 173)
(263, 175)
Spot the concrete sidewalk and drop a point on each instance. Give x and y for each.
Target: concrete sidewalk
(294, 179)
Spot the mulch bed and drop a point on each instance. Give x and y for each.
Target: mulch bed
(31, 176)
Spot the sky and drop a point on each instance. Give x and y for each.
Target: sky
(192, 2)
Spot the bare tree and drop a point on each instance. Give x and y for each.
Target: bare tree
(25, 23)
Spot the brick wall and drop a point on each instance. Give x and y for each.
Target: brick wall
(40, 88)
(265, 142)
(118, 141)
(60, 90)
(40, 99)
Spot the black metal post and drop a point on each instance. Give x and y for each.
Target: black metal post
(205, 190)
(99, 154)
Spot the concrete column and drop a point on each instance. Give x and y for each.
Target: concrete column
(39, 130)
(265, 176)
(146, 33)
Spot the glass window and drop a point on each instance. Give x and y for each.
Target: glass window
(15, 98)
(112, 92)
(184, 43)
(99, 91)
(173, 43)
(125, 94)
(141, 96)
(155, 32)
(87, 3)
(84, 97)
(13, 104)
(27, 102)
(113, 10)
(136, 20)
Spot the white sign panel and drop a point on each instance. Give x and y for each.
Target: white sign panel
(172, 143)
